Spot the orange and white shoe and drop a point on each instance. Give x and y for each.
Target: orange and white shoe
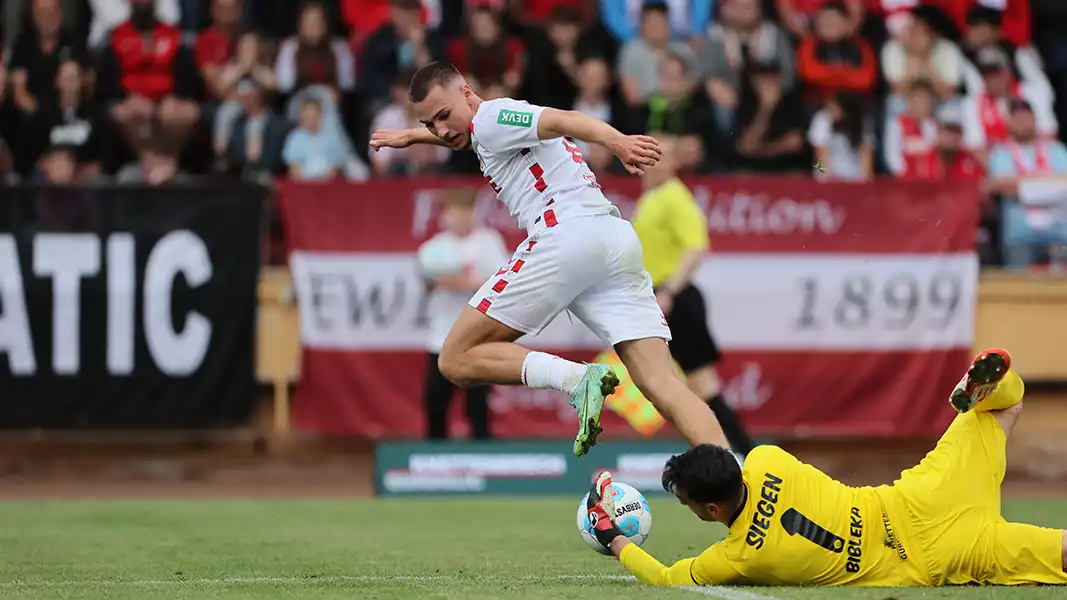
(981, 380)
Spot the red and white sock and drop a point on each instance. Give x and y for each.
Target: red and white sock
(542, 371)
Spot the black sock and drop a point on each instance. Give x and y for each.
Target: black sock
(731, 424)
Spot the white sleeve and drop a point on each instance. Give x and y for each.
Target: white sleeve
(168, 11)
(894, 62)
(505, 126)
(285, 66)
(973, 131)
(947, 61)
(891, 147)
(821, 130)
(1041, 102)
(972, 78)
(346, 66)
(1028, 61)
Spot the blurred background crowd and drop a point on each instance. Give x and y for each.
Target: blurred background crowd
(161, 90)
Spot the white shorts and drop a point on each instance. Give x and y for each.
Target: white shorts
(591, 265)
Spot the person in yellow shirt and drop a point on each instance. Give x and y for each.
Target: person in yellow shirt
(791, 524)
(674, 239)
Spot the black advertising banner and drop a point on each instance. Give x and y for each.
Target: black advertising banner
(125, 307)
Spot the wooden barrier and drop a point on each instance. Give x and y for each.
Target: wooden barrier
(278, 340)
(1022, 312)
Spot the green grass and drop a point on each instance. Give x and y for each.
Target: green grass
(370, 549)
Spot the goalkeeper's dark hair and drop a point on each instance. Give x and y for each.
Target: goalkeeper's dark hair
(430, 76)
(708, 474)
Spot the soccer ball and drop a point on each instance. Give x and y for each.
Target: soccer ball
(633, 516)
(440, 256)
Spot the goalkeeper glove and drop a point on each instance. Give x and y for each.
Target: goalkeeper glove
(601, 507)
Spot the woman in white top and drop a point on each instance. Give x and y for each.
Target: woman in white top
(842, 136)
(454, 263)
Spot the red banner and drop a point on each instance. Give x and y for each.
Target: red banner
(843, 309)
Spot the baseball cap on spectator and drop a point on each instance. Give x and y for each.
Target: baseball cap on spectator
(990, 60)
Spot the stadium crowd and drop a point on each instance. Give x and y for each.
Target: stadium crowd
(158, 90)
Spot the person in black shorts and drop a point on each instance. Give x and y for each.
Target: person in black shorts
(674, 238)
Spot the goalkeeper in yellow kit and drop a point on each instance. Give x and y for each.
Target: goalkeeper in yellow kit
(791, 524)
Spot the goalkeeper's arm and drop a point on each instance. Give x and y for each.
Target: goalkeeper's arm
(647, 569)
(707, 569)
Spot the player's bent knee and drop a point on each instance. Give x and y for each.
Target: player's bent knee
(450, 364)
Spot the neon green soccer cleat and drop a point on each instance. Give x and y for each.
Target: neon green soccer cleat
(598, 383)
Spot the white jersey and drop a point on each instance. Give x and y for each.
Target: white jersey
(481, 253)
(530, 174)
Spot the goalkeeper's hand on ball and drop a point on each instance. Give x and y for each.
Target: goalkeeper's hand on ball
(601, 507)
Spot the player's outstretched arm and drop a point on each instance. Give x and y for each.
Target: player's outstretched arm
(635, 151)
(402, 138)
(706, 569)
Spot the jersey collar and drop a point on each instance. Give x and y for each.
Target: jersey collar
(741, 508)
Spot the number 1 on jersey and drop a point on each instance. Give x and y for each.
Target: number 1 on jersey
(795, 523)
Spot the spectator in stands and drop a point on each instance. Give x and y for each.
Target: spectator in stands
(486, 55)
(832, 59)
(595, 99)
(110, 14)
(909, 144)
(984, 31)
(214, 51)
(37, 54)
(400, 114)
(402, 43)
(1029, 224)
(69, 120)
(1014, 14)
(953, 160)
(312, 64)
(771, 123)
(157, 165)
(920, 53)
(257, 135)
(680, 109)
(58, 165)
(552, 61)
(800, 17)
(986, 114)
(149, 83)
(314, 150)
(741, 36)
(639, 60)
(843, 139)
(247, 66)
(688, 18)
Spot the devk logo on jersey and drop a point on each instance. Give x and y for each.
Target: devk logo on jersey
(515, 118)
(177, 343)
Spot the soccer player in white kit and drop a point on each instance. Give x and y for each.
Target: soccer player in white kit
(580, 256)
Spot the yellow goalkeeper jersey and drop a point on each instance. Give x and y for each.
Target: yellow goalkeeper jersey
(798, 526)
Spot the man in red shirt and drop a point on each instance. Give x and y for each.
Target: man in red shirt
(146, 80)
(214, 45)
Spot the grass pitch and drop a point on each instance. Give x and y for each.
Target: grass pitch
(459, 549)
